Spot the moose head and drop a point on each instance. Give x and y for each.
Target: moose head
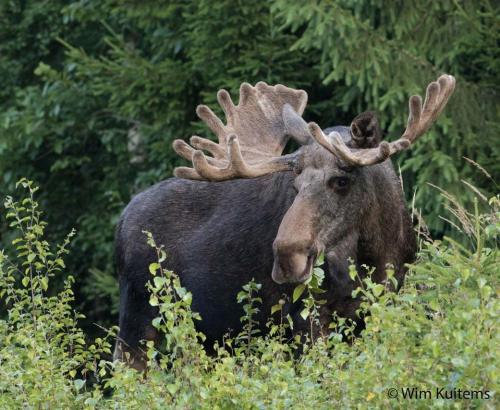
(345, 196)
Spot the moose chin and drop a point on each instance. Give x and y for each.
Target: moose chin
(246, 211)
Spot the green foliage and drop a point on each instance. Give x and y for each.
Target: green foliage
(42, 348)
(175, 319)
(438, 332)
(311, 305)
(250, 324)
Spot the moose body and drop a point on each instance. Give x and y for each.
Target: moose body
(268, 224)
(217, 238)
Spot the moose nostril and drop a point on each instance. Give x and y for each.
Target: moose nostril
(283, 266)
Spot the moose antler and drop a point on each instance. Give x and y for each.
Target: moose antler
(419, 121)
(251, 142)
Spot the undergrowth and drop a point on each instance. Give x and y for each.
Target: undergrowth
(437, 334)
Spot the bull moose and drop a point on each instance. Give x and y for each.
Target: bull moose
(247, 211)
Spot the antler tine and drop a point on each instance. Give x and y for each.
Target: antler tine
(226, 102)
(420, 119)
(237, 167)
(336, 145)
(246, 92)
(186, 151)
(187, 173)
(213, 173)
(213, 122)
(207, 145)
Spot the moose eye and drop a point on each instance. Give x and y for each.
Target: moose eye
(339, 184)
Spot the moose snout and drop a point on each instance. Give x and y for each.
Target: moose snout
(293, 263)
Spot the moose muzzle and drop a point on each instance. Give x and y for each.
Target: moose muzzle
(293, 267)
(294, 247)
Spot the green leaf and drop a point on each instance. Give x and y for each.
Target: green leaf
(319, 273)
(180, 291)
(187, 297)
(78, 383)
(276, 308)
(297, 292)
(305, 313)
(486, 292)
(154, 267)
(320, 260)
(378, 289)
(60, 262)
(45, 283)
(352, 273)
(159, 281)
(172, 388)
(156, 322)
(241, 296)
(434, 305)
(25, 281)
(317, 291)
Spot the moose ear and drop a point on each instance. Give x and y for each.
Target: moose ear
(295, 125)
(365, 131)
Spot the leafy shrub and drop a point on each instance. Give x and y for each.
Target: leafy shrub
(438, 332)
(42, 349)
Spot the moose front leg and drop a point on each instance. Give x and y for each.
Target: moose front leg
(136, 316)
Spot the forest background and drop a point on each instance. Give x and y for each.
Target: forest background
(94, 93)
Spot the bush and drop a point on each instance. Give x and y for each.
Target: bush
(42, 349)
(438, 334)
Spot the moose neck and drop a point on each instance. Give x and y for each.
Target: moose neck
(386, 232)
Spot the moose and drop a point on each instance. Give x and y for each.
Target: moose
(246, 211)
